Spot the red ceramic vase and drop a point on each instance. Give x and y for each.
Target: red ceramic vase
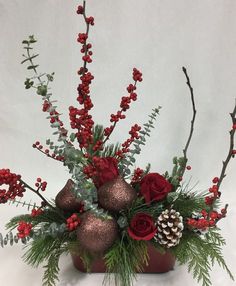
(158, 263)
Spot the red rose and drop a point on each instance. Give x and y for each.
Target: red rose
(142, 227)
(106, 170)
(154, 187)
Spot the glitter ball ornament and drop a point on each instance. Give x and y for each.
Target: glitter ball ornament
(66, 200)
(116, 195)
(170, 227)
(95, 234)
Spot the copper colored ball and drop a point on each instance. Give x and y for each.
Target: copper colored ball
(116, 195)
(66, 200)
(95, 234)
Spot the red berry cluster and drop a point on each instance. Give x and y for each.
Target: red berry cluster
(137, 75)
(24, 229)
(98, 146)
(54, 115)
(40, 185)
(98, 165)
(137, 176)
(214, 190)
(80, 118)
(125, 103)
(73, 222)
(15, 186)
(36, 212)
(207, 220)
(46, 151)
(134, 135)
(80, 10)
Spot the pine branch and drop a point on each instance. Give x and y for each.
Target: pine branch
(200, 253)
(124, 259)
(187, 201)
(110, 150)
(52, 269)
(47, 217)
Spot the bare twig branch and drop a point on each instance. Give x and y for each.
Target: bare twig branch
(192, 121)
(231, 148)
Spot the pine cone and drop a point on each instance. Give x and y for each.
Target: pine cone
(170, 227)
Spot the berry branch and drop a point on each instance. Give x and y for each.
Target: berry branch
(80, 119)
(87, 32)
(124, 105)
(37, 193)
(231, 152)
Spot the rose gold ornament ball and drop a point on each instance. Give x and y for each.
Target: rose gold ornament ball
(95, 234)
(66, 200)
(116, 195)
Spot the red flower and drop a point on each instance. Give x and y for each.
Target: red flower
(154, 187)
(142, 227)
(106, 170)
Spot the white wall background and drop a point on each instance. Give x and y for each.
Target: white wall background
(156, 36)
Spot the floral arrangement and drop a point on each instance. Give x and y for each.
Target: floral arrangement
(110, 208)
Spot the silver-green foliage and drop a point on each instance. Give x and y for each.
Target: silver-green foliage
(129, 159)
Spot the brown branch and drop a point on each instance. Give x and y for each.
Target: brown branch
(192, 121)
(38, 194)
(231, 148)
(47, 154)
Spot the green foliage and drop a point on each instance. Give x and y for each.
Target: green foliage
(41, 84)
(49, 216)
(110, 150)
(139, 205)
(124, 259)
(130, 160)
(10, 238)
(47, 250)
(187, 203)
(52, 269)
(200, 253)
(179, 167)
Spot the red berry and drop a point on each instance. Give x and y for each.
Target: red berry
(215, 180)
